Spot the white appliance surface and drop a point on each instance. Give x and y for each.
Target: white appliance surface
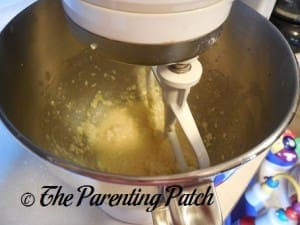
(21, 171)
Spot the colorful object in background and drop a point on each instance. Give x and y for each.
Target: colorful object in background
(279, 144)
(283, 151)
(271, 217)
(293, 212)
(245, 221)
(280, 161)
(281, 157)
(295, 172)
(255, 198)
(298, 146)
(278, 216)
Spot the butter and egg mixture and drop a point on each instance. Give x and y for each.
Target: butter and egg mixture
(113, 121)
(109, 116)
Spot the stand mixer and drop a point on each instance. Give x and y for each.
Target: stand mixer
(176, 33)
(169, 25)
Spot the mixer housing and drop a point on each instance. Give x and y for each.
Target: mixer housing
(166, 31)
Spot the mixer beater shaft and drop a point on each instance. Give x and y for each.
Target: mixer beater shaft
(176, 81)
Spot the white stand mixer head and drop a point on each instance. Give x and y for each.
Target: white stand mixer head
(149, 22)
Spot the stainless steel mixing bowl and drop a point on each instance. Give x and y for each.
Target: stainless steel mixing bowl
(247, 95)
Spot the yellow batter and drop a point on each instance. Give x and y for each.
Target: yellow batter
(123, 137)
